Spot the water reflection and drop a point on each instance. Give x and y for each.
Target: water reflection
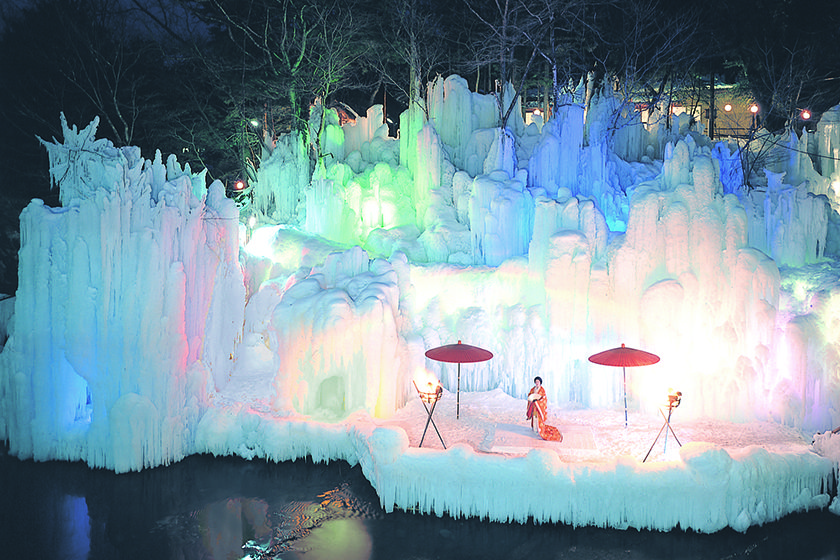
(74, 526)
(225, 525)
(330, 527)
(201, 508)
(227, 508)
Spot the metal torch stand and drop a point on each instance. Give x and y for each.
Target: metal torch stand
(671, 406)
(429, 412)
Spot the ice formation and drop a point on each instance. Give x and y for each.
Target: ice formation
(128, 310)
(148, 323)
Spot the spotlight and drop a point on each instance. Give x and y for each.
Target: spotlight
(727, 107)
(805, 115)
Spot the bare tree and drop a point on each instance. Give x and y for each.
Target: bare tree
(290, 52)
(648, 55)
(106, 74)
(414, 34)
(88, 56)
(333, 51)
(512, 35)
(785, 87)
(569, 30)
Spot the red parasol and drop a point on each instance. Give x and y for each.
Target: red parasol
(624, 357)
(459, 354)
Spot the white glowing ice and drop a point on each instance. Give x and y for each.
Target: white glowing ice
(128, 310)
(149, 325)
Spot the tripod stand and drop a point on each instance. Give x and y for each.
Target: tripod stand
(673, 402)
(430, 397)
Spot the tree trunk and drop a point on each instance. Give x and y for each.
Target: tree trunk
(712, 104)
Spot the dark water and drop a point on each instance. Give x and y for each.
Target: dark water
(205, 507)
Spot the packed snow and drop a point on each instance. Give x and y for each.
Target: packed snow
(155, 319)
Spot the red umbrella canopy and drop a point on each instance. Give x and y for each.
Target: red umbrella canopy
(459, 354)
(624, 357)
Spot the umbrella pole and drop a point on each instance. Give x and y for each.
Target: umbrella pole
(458, 394)
(624, 369)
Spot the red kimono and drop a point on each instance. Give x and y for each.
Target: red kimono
(538, 409)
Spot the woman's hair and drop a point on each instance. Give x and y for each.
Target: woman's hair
(538, 378)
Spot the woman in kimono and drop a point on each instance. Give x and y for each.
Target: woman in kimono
(538, 410)
(537, 404)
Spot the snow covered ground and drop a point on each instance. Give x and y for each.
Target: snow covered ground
(494, 466)
(494, 422)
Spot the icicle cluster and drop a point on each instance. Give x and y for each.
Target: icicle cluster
(121, 293)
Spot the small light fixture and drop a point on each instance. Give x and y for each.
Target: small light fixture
(805, 115)
(674, 398)
(430, 391)
(753, 108)
(727, 107)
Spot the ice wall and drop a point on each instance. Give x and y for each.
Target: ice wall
(346, 207)
(282, 178)
(128, 308)
(467, 137)
(501, 217)
(654, 253)
(788, 223)
(367, 140)
(828, 142)
(682, 279)
(554, 164)
(357, 186)
(457, 113)
(337, 336)
(326, 331)
(806, 392)
(792, 210)
(707, 490)
(657, 254)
